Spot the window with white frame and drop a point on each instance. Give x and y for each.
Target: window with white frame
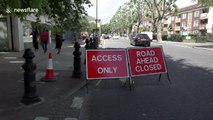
(196, 13)
(189, 26)
(184, 16)
(173, 18)
(189, 15)
(196, 23)
(184, 25)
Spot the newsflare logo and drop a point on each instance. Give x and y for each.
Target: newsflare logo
(8, 10)
(23, 10)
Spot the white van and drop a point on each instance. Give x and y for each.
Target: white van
(150, 34)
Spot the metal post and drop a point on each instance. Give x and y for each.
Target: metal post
(96, 16)
(91, 43)
(87, 46)
(77, 61)
(30, 95)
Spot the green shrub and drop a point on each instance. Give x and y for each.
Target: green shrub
(200, 39)
(164, 37)
(154, 36)
(3, 46)
(176, 38)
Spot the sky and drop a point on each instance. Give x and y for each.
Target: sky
(107, 8)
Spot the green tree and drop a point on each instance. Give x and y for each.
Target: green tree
(141, 11)
(60, 12)
(124, 18)
(204, 2)
(106, 28)
(159, 10)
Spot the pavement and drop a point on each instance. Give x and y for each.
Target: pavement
(202, 46)
(60, 100)
(58, 97)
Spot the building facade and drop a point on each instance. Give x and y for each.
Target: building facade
(15, 34)
(191, 20)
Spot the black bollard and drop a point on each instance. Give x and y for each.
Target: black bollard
(95, 43)
(87, 46)
(77, 61)
(91, 43)
(30, 95)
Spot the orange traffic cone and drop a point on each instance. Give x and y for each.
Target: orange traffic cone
(49, 77)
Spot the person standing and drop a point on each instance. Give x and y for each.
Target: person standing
(44, 40)
(35, 39)
(59, 40)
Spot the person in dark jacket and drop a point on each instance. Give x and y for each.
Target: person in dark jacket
(35, 39)
(59, 40)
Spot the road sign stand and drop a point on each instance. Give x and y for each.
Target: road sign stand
(167, 77)
(87, 88)
(166, 70)
(131, 81)
(131, 84)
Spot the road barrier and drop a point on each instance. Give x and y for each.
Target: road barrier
(125, 63)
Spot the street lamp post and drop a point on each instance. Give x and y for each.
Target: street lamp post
(96, 16)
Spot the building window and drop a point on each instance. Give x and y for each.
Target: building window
(183, 26)
(189, 15)
(173, 18)
(196, 13)
(183, 16)
(196, 23)
(189, 26)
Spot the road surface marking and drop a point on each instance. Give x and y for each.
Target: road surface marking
(41, 118)
(103, 44)
(10, 58)
(70, 119)
(98, 83)
(16, 61)
(185, 46)
(77, 102)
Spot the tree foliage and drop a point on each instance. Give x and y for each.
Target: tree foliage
(159, 10)
(205, 2)
(62, 13)
(106, 28)
(124, 18)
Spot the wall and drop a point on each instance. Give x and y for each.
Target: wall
(210, 21)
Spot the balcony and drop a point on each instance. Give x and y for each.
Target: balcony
(202, 27)
(165, 22)
(177, 28)
(204, 16)
(177, 20)
(165, 29)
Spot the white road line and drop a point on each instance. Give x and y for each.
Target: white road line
(103, 44)
(70, 119)
(77, 102)
(10, 58)
(185, 46)
(41, 118)
(16, 61)
(98, 83)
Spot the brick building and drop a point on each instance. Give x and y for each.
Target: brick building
(190, 20)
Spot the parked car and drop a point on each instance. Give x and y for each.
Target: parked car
(116, 37)
(106, 36)
(140, 39)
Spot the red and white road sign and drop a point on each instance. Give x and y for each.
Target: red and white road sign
(147, 60)
(103, 64)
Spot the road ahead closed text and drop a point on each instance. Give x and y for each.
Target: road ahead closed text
(106, 64)
(146, 61)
